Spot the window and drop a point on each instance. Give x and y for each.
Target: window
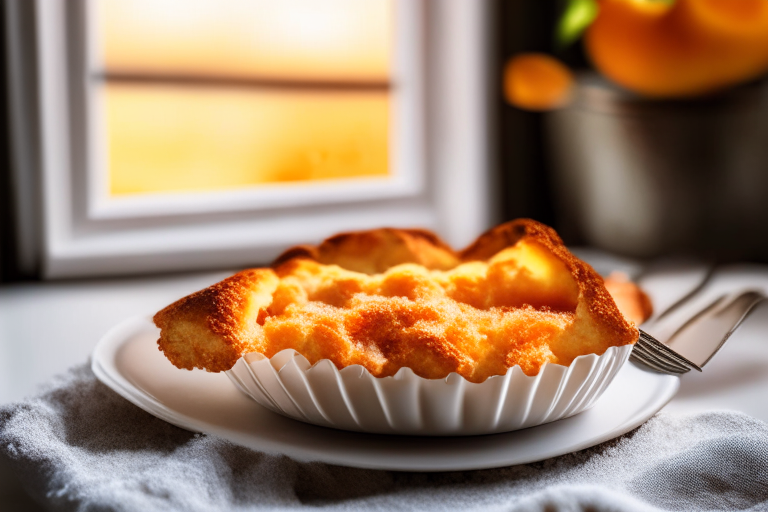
(180, 134)
(191, 97)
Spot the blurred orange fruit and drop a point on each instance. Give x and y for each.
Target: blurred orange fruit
(536, 81)
(681, 49)
(738, 18)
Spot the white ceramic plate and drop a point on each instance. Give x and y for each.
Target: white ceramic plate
(128, 361)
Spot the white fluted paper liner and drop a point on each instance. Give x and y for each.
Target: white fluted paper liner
(353, 399)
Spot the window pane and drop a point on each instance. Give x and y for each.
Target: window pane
(301, 39)
(172, 138)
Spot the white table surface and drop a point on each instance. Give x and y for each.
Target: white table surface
(47, 327)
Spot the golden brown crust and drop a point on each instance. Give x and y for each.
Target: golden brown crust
(592, 292)
(210, 328)
(591, 285)
(375, 251)
(390, 298)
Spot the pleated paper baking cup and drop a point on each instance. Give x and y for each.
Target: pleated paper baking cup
(353, 399)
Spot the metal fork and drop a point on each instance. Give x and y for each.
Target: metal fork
(700, 338)
(651, 352)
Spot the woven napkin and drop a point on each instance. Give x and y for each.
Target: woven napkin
(80, 446)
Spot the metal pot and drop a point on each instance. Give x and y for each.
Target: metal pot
(646, 177)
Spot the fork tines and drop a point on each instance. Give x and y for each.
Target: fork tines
(651, 352)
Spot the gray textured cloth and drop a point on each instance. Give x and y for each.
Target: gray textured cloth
(79, 446)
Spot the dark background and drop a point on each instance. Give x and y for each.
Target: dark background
(7, 259)
(523, 167)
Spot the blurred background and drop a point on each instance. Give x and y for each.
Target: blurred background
(157, 136)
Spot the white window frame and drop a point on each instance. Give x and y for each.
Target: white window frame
(440, 156)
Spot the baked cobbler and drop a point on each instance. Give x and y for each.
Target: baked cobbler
(392, 298)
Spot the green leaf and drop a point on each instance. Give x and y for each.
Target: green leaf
(578, 15)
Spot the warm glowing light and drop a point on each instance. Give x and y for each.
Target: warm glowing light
(172, 138)
(303, 39)
(536, 81)
(681, 49)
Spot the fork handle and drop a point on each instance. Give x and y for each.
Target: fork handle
(704, 335)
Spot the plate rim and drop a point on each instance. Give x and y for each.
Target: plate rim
(104, 366)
